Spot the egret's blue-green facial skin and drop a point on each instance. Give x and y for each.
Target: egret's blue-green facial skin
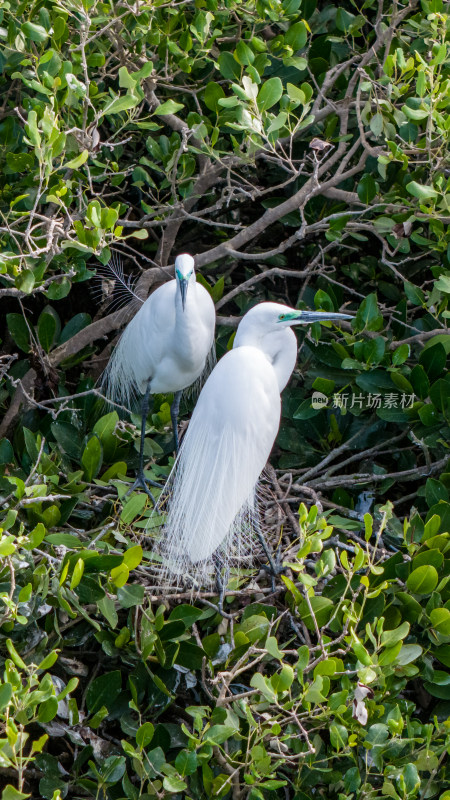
(182, 277)
(286, 317)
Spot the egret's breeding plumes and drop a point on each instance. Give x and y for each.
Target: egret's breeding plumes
(165, 347)
(211, 502)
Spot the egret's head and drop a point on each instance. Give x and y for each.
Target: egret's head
(184, 272)
(270, 317)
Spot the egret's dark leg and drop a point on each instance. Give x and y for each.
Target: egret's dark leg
(275, 567)
(221, 584)
(141, 481)
(174, 409)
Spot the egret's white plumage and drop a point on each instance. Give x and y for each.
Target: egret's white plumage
(165, 348)
(165, 343)
(211, 503)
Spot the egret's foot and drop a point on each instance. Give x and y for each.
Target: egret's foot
(142, 482)
(275, 566)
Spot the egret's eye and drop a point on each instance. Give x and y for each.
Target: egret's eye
(282, 316)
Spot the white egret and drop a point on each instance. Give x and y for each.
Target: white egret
(164, 348)
(211, 497)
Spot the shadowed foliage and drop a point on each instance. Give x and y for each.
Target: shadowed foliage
(299, 150)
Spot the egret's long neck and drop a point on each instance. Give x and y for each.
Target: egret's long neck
(186, 321)
(280, 348)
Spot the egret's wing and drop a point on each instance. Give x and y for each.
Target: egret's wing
(230, 436)
(207, 315)
(141, 347)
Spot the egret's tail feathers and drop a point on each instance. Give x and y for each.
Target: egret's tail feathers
(122, 292)
(211, 508)
(119, 379)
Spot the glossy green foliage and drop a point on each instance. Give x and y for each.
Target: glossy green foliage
(300, 150)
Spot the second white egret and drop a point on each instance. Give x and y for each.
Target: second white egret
(164, 349)
(212, 489)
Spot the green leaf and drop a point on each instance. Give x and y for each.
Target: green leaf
(322, 608)
(107, 608)
(133, 556)
(46, 330)
(190, 655)
(18, 329)
(103, 691)
(6, 451)
(10, 793)
(59, 289)
(213, 93)
(37, 34)
(422, 580)
(120, 575)
(77, 573)
(48, 710)
(440, 620)
(174, 784)
(18, 661)
(244, 54)
(126, 81)
(392, 637)
(133, 508)
(255, 627)
(368, 315)
(144, 734)
(186, 762)
(433, 360)
(269, 94)
(344, 19)
(377, 734)
(78, 161)
(408, 654)
(376, 124)
(5, 695)
(421, 192)
(25, 281)
(169, 107)
(295, 93)
(439, 394)
(435, 491)
(74, 326)
(91, 459)
(228, 66)
(217, 734)
(414, 294)
(130, 596)
(400, 355)
(411, 779)
(296, 36)
(417, 114)
(338, 736)
(119, 104)
(366, 189)
(65, 539)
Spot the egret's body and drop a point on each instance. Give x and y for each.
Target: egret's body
(229, 439)
(166, 345)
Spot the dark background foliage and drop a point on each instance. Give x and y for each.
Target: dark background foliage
(299, 150)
